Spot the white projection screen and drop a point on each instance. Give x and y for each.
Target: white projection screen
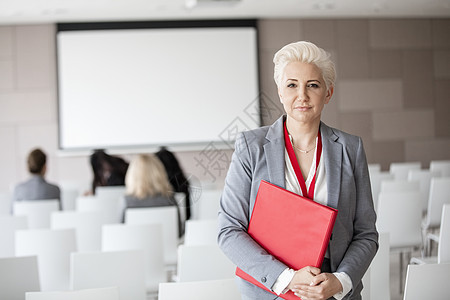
(189, 83)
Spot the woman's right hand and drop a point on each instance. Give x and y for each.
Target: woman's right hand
(304, 276)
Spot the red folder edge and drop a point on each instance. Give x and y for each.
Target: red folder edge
(315, 262)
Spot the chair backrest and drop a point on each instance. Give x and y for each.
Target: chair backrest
(205, 262)
(379, 270)
(442, 166)
(427, 281)
(87, 225)
(107, 293)
(168, 217)
(208, 204)
(53, 248)
(111, 208)
(225, 289)
(124, 269)
(444, 236)
(37, 211)
(400, 214)
(374, 168)
(110, 192)
(69, 196)
(375, 182)
(201, 232)
(8, 227)
(400, 169)
(5, 204)
(17, 276)
(439, 195)
(146, 237)
(423, 177)
(399, 185)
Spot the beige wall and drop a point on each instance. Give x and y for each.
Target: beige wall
(393, 89)
(393, 85)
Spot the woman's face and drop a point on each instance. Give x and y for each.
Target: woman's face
(303, 92)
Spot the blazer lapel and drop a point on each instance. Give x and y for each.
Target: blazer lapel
(332, 154)
(274, 153)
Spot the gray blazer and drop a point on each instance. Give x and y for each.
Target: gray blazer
(258, 155)
(36, 188)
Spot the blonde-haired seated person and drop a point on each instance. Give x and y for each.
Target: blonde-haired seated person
(36, 187)
(147, 185)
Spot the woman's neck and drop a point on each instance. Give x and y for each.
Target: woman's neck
(303, 134)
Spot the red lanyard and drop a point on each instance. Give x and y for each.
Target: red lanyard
(290, 149)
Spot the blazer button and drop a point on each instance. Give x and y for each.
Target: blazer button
(264, 279)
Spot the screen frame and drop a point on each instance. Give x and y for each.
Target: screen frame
(176, 24)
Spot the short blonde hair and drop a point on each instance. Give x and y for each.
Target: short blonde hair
(146, 177)
(305, 52)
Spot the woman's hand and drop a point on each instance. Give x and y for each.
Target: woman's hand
(303, 276)
(321, 287)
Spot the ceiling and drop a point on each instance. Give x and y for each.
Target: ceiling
(53, 11)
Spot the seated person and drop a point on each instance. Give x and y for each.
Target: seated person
(177, 179)
(108, 170)
(147, 185)
(36, 187)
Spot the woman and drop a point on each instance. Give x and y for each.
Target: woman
(177, 179)
(285, 154)
(108, 170)
(147, 184)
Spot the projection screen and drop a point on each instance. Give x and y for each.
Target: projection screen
(153, 85)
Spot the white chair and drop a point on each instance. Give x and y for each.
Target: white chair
(442, 166)
(443, 251)
(427, 282)
(439, 195)
(377, 278)
(5, 204)
(37, 211)
(111, 208)
(53, 248)
(400, 214)
(375, 181)
(225, 289)
(208, 204)
(399, 185)
(87, 225)
(374, 168)
(108, 293)
(69, 197)
(201, 232)
(17, 276)
(8, 227)
(110, 192)
(400, 169)
(168, 217)
(146, 237)
(205, 262)
(423, 177)
(124, 269)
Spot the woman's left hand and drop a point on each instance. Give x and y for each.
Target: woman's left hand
(322, 287)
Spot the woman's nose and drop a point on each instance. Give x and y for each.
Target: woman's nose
(302, 94)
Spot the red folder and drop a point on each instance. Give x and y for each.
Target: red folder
(292, 228)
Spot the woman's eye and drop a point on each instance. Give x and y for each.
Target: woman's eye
(313, 85)
(291, 85)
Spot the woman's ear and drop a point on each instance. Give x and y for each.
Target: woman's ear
(329, 94)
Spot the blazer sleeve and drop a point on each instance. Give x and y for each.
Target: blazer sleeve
(236, 202)
(364, 241)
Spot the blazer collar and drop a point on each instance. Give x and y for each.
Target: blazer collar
(274, 153)
(332, 155)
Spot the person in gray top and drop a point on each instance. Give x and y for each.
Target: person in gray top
(36, 187)
(147, 185)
